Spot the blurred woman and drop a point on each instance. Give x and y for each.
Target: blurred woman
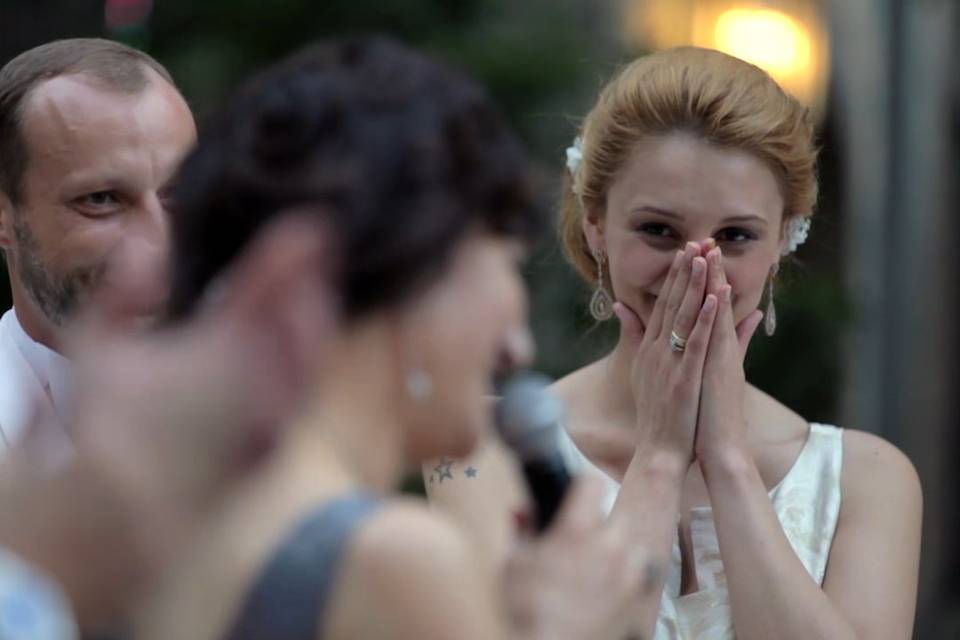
(410, 170)
(692, 177)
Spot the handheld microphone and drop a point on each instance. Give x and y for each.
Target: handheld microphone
(528, 419)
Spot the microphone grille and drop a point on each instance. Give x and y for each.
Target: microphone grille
(528, 417)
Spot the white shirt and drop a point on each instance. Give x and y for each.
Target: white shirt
(34, 381)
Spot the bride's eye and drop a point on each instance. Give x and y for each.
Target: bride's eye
(658, 232)
(735, 235)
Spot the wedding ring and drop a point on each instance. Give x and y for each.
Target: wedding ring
(677, 343)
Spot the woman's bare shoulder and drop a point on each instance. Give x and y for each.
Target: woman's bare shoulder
(875, 553)
(400, 564)
(407, 530)
(876, 473)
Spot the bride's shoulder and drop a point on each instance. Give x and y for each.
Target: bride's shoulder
(866, 456)
(872, 466)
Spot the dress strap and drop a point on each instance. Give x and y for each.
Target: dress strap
(820, 458)
(289, 599)
(807, 501)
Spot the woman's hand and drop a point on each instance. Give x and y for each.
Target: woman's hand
(666, 383)
(584, 578)
(721, 427)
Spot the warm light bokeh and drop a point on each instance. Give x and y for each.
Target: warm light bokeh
(786, 38)
(769, 39)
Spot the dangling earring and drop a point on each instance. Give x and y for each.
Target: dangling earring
(770, 317)
(601, 304)
(419, 384)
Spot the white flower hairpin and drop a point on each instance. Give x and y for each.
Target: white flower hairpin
(797, 231)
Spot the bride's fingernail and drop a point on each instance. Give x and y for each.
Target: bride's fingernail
(697, 266)
(710, 303)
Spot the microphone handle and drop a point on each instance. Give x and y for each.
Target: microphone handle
(548, 480)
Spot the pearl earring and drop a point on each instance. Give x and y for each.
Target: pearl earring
(419, 384)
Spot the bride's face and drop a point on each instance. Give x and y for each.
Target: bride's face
(677, 188)
(464, 330)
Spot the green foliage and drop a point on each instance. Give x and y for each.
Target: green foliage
(528, 54)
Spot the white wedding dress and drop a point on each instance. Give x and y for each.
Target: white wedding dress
(807, 502)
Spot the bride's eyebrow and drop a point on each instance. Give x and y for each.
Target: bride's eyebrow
(657, 210)
(667, 213)
(746, 218)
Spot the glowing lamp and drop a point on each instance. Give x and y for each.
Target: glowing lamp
(785, 38)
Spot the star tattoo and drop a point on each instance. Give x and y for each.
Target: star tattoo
(470, 472)
(443, 470)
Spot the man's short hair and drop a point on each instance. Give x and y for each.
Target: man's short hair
(116, 65)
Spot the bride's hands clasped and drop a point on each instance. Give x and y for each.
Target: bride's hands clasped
(721, 426)
(666, 377)
(687, 373)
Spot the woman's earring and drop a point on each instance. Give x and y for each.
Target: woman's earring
(770, 317)
(601, 304)
(419, 384)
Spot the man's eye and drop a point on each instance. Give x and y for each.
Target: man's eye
(100, 199)
(99, 203)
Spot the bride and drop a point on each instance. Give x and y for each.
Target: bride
(691, 178)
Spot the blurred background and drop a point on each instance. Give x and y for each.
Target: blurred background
(867, 334)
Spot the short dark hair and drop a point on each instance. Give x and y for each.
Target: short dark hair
(400, 155)
(116, 65)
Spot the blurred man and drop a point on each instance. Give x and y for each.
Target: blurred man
(91, 133)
